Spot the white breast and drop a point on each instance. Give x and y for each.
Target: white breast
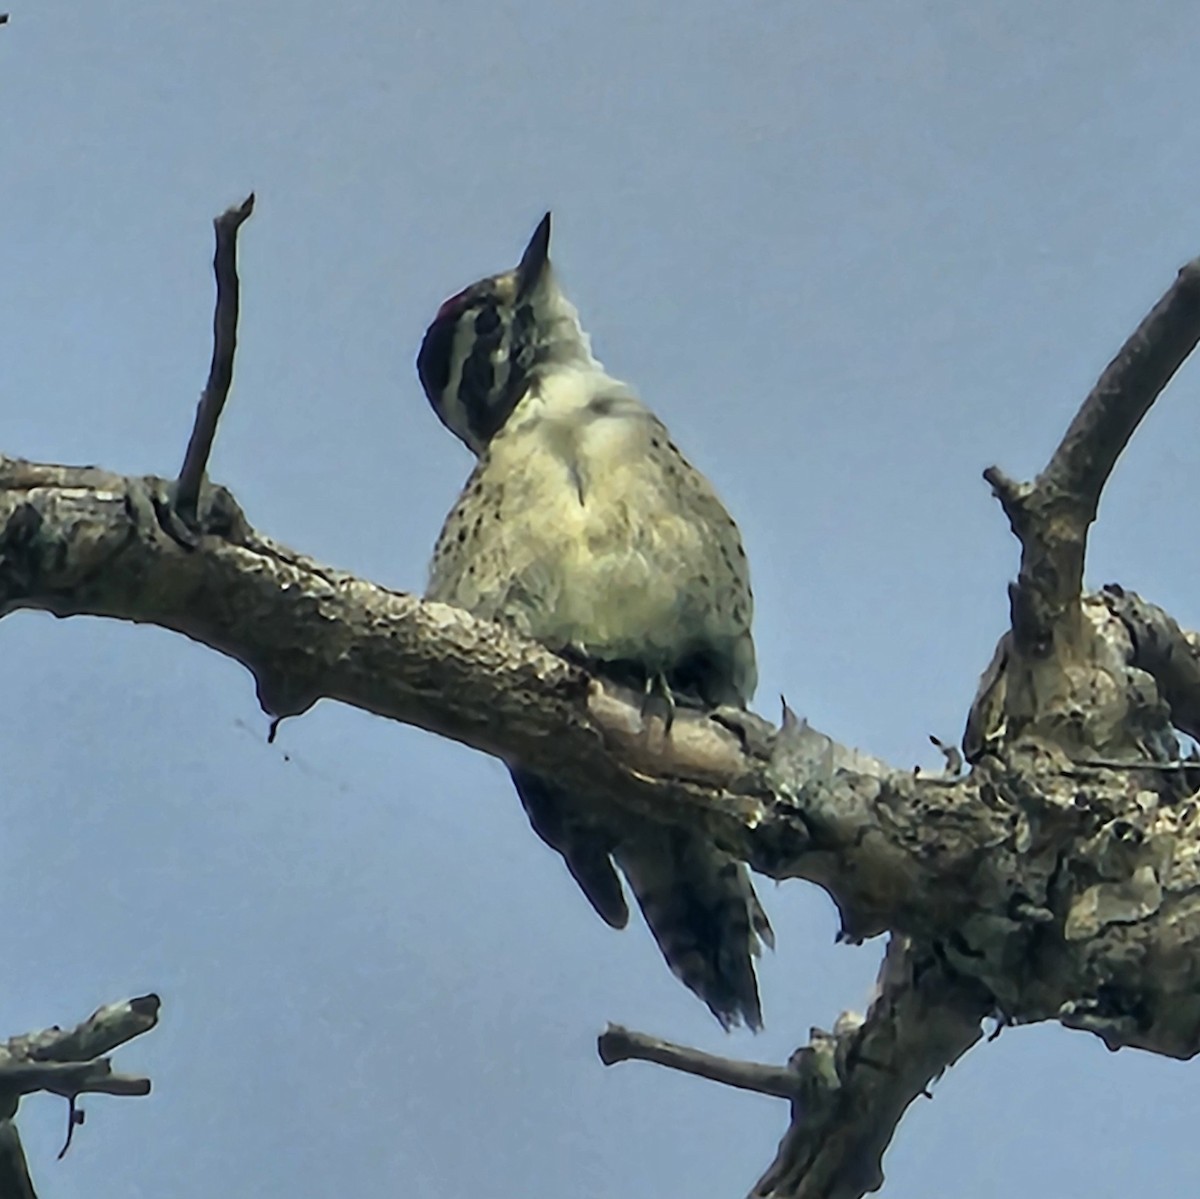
(605, 543)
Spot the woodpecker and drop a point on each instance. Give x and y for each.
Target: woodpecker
(583, 527)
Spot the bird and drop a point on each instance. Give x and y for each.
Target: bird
(583, 527)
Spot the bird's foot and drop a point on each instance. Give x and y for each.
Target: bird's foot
(658, 695)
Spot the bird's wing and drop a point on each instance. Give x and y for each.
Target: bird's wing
(585, 848)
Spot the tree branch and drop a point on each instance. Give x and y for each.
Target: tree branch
(848, 1089)
(67, 1062)
(1049, 668)
(985, 866)
(220, 373)
(617, 1044)
(857, 1083)
(1013, 890)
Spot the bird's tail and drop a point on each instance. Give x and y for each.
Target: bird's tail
(701, 907)
(698, 902)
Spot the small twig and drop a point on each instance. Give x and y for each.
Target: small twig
(1080, 766)
(220, 374)
(1011, 494)
(75, 1117)
(617, 1044)
(952, 754)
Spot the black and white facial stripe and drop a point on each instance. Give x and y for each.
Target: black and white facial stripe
(486, 342)
(472, 367)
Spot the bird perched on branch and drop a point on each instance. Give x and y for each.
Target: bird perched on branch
(583, 527)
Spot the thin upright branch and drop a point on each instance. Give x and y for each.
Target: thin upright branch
(1124, 393)
(1051, 517)
(220, 374)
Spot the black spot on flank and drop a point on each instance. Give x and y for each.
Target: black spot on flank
(462, 536)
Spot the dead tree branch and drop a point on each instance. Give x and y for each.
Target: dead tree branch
(1050, 666)
(1058, 880)
(67, 1062)
(617, 1044)
(857, 1082)
(220, 373)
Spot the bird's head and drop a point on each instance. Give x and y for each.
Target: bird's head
(488, 341)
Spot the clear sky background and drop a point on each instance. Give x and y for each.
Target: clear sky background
(852, 252)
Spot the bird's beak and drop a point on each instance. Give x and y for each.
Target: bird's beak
(535, 259)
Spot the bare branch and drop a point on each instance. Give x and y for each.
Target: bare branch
(66, 1062)
(103, 1031)
(848, 1089)
(1049, 667)
(617, 1044)
(981, 865)
(220, 374)
(854, 1085)
(1123, 395)
(1013, 863)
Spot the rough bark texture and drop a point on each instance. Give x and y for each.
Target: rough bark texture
(1058, 880)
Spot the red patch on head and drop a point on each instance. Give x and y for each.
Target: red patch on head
(453, 306)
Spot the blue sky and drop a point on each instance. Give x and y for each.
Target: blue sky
(851, 252)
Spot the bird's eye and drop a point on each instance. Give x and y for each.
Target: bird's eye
(488, 321)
